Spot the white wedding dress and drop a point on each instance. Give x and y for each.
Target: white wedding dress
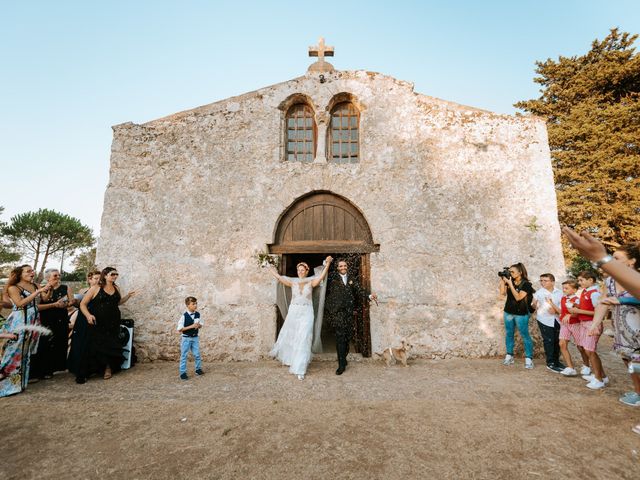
(293, 347)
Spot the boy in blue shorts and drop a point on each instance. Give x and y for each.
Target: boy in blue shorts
(189, 325)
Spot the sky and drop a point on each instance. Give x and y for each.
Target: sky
(69, 70)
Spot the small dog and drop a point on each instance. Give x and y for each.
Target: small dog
(396, 355)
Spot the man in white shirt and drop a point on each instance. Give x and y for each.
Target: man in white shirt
(548, 322)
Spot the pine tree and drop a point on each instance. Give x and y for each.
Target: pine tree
(592, 107)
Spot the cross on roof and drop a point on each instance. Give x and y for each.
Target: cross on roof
(321, 50)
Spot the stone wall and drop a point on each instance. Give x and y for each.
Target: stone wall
(451, 193)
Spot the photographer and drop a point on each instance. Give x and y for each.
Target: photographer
(519, 291)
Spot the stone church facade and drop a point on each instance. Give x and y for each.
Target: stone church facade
(426, 198)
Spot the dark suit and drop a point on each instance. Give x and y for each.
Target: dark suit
(340, 304)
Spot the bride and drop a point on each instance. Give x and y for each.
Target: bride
(293, 347)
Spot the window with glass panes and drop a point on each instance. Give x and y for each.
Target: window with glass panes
(343, 134)
(301, 134)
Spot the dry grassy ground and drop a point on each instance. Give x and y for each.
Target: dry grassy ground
(436, 419)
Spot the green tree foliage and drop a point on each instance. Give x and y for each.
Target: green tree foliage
(592, 107)
(580, 264)
(7, 253)
(84, 263)
(46, 233)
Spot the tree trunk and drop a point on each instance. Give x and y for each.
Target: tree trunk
(37, 255)
(44, 263)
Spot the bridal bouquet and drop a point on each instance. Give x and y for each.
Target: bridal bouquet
(266, 259)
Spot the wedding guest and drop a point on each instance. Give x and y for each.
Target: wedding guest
(570, 328)
(21, 329)
(594, 250)
(78, 361)
(547, 318)
(52, 350)
(626, 319)
(189, 324)
(589, 299)
(519, 291)
(100, 307)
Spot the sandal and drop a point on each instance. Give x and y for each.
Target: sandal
(107, 373)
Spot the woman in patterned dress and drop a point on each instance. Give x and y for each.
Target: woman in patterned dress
(21, 330)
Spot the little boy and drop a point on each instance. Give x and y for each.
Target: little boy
(589, 299)
(188, 325)
(543, 301)
(570, 327)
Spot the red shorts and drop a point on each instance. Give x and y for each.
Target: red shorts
(589, 342)
(570, 330)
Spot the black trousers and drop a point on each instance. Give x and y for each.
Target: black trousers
(342, 322)
(551, 342)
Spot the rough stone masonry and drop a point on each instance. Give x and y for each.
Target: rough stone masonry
(451, 194)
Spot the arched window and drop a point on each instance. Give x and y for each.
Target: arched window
(343, 135)
(301, 133)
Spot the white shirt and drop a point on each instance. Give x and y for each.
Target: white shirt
(344, 278)
(544, 313)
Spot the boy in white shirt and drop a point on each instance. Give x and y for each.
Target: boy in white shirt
(189, 325)
(543, 301)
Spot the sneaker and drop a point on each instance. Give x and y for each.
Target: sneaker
(590, 378)
(508, 360)
(631, 400)
(183, 376)
(595, 384)
(528, 363)
(199, 372)
(555, 369)
(585, 370)
(300, 377)
(569, 372)
(629, 394)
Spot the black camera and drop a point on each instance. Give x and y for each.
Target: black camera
(505, 273)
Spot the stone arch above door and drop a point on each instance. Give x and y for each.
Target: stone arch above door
(322, 221)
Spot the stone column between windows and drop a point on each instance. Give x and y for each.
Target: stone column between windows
(322, 121)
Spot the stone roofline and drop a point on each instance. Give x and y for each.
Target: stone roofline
(338, 74)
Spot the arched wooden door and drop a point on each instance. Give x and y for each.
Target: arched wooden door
(322, 223)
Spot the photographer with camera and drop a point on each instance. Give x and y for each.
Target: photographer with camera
(517, 310)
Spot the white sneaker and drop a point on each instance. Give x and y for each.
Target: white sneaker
(528, 363)
(508, 360)
(591, 378)
(595, 384)
(569, 372)
(300, 377)
(585, 370)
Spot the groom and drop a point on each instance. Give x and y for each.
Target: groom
(344, 295)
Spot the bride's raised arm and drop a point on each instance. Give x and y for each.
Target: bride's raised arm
(316, 281)
(279, 277)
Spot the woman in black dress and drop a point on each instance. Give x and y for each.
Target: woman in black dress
(77, 362)
(52, 349)
(100, 307)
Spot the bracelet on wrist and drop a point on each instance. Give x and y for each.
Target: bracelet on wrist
(599, 263)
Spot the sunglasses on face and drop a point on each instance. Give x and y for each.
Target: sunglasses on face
(114, 274)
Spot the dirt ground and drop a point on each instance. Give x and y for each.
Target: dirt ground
(456, 418)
